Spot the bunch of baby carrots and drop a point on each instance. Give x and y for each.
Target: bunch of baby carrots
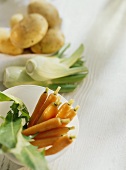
(48, 123)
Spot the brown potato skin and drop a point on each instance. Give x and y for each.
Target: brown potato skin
(5, 44)
(29, 31)
(51, 43)
(37, 48)
(47, 10)
(16, 18)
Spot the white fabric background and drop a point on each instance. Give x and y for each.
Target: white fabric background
(101, 26)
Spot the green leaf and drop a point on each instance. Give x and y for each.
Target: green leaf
(10, 126)
(17, 106)
(25, 115)
(9, 117)
(1, 151)
(62, 51)
(74, 57)
(15, 110)
(8, 97)
(1, 117)
(29, 154)
(3, 97)
(69, 79)
(9, 129)
(12, 140)
(65, 88)
(78, 63)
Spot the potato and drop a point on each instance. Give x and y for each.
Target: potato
(29, 31)
(51, 43)
(15, 19)
(37, 48)
(47, 10)
(5, 44)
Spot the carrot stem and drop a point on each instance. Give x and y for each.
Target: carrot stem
(57, 90)
(65, 121)
(70, 102)
(76, 108)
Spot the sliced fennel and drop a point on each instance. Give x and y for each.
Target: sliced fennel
(66, 83)
(40, 71)
(50, 72)
(74, 57)
(43, 69)
(62, 50)
(16, 75)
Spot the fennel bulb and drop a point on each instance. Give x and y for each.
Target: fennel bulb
(50, 72)
(45, 68)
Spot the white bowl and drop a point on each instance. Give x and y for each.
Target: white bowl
(30, 94)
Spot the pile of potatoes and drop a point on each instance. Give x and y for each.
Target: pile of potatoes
(38, 32)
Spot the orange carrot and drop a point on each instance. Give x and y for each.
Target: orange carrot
(64, 109)
(57, 132)
(44, 126)
(59, 145)
(51, 98)
(41, 101)
(41, 143)
(50, 111)
(72, 113)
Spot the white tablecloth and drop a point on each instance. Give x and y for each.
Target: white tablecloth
(101, 26)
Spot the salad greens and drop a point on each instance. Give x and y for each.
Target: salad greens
(17, 144)
(54, 71)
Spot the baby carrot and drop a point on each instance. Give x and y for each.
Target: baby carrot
(44, 126)
(41, 101)
(57, 132)
(72, 113)
(59, 145)
(50, 111)
(41, 143)
(51, 98)
(64, 109)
